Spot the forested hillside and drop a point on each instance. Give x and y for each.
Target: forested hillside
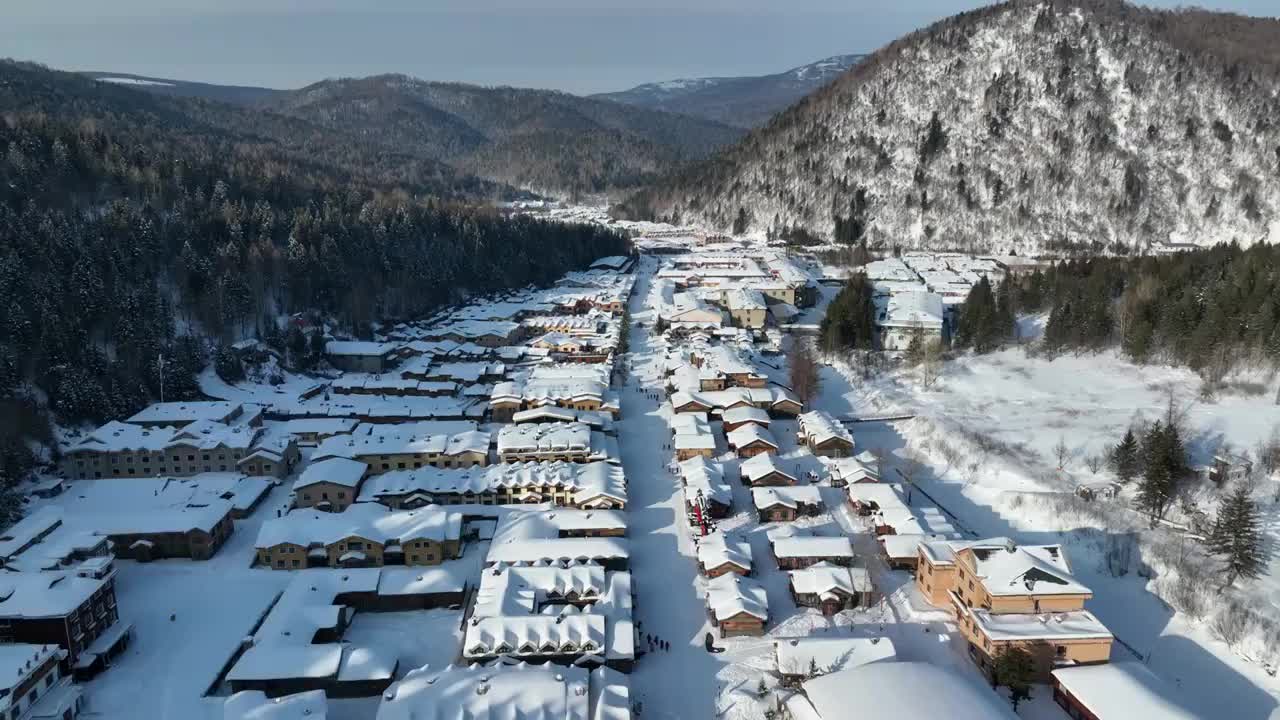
(537, 139)
(1024, 126)
(130, 228)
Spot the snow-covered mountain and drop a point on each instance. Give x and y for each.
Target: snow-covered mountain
(1023, 126)
(740, 101)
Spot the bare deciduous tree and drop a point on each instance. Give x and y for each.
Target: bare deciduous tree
(1062, 452)
(930, 363)
(1094, 462)
(805, 378)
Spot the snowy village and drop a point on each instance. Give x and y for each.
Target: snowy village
(647, 490)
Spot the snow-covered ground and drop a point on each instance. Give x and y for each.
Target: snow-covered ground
(986, 433)
(188, 619)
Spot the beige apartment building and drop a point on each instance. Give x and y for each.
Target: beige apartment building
(1004, 595)
(120, 449)
(365, 535)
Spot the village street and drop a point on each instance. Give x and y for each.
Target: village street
(679, 683)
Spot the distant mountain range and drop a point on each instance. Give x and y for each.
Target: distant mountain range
(743, 102)
(1022, 126)
(238, 94)
(540, 140)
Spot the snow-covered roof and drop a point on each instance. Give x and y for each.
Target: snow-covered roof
(369, 521)
(611, 262)
(44, 594)
(912, 309)
(904, 691)
(326, 426)
(255, 705)
(392, 440)
(751, 433)
(719, 549)
(1123, 690)
(497, 692)
(188, 411)
(731, 594)
(763, 465)
(357, 348)
(823, 578)
(1010, 569)
(154, 521)
(336, 470)
(18, 660)
(739, 415)
(805, 546)
(819, 427)
(1073, 625)
(852, 469)
(283, 646)
(695, 441)
(787, 496)
(705, 476)
(118, 436)
(448, 577)
(797, 656)
(544, 437)
(906, 546)
(539, 536)
(884, 496)
(744, 299)
(585, 480)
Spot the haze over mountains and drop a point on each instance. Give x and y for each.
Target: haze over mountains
(744, 102)
(1019, 126)
(541, 140)
(546, 141)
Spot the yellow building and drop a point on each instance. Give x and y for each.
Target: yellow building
(1004, 595)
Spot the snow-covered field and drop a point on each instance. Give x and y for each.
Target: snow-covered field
(986, 434)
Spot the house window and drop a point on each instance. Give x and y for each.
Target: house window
(355, 546)
(205, 457)
(342, 496)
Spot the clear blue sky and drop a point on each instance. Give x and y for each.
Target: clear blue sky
(573, 45)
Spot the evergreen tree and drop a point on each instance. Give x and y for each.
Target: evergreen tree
(850, 320)
(296, 341)
(983, 324)
(1126, 457)
(1015, 669)
(227, 364)
(1164, 466)
(1237, 537)
(317, 347)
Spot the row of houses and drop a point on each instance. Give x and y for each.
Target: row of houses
(598, 485)
(364, 535)
(573, 612)
(127, 450)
